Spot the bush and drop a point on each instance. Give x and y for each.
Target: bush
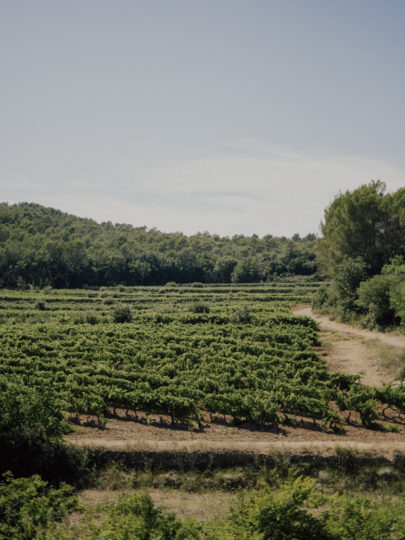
(92, 318)
(135, 517)
(325, 296)
(360, 518)
(199, 307)
(349, 275)
(374, 300)
(40, 304)
(27, 505)
(27, 412)
(286, 514)
(279, 515)
(122, 314)
(242, 316)
(396, 271)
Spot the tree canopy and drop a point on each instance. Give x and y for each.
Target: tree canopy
(364, 223)
(43, 246)
(363, 250)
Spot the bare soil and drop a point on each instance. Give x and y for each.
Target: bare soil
(353, 350)
(344, 348)
(155, 434)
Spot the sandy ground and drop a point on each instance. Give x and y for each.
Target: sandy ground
(353, 350)
(344, 348)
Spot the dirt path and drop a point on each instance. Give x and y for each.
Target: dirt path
(327, 325)
(354, 350)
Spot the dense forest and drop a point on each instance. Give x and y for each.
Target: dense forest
(363, 251)
(42, 246)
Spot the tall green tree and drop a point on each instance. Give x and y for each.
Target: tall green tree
(355, 225)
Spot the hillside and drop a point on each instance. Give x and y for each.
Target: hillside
(42, 246)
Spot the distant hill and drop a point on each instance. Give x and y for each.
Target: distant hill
(42, 246)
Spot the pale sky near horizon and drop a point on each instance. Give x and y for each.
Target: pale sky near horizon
(226, 116)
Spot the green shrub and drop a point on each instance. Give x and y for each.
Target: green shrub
(279, 515)
(40, 304)
(374, 300)
(321, 298)
(288, 513)
(349, 275)
(396, 271)
(360, 518)
(28, 412)
(242, 316)
(199, 307)
(135, 517)
(122, 314)
(27, 505)
(92, 318)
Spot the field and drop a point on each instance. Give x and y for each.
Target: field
(186, 355)
(184, 397)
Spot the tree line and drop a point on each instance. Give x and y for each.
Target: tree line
(42, 246)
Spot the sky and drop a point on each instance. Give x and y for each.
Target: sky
(226, 116)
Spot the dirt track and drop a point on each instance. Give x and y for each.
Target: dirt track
(327, 325)
(353, 350)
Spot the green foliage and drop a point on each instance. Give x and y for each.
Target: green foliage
(44, 247)
(248, 358)
(363, 231)
(359, 517)
(278, 515)
(348, 277)
(27, 413)
(176, 363)
(396, 273)
(199, 307)
(122, 314)
(28, 505)
(40, 304)
(363, 223)
(292, 513)
(92, 318)
(295, 510)
(242, 316)
(136, 518)
(391, 396)
(374, 300)
(224, 266)
(342, 293)
(31, 430)
(324, 297)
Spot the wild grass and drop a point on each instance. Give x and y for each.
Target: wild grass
(390, 359)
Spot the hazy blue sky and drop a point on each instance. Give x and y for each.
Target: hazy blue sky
(223, 115)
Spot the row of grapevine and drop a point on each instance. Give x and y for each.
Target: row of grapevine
(173, 359)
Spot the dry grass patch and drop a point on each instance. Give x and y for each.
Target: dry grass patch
(201, 506)
(390, 359)
(206, 506)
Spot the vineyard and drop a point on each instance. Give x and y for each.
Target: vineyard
(183, 352)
